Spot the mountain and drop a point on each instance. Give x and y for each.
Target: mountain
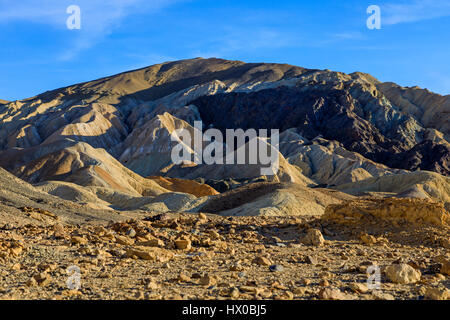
(24, 204)
(419, 184)
(108, 143)
(348, 109)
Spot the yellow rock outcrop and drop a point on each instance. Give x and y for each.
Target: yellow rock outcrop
(397, 211)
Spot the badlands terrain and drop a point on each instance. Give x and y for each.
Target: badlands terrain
(87, 183)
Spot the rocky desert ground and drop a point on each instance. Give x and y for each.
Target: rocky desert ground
(198, 256)
(92, 206)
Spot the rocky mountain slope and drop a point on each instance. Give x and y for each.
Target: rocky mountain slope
(109, 134)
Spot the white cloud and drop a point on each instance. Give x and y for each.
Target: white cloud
(413, 11)
(237, 39)
(351, 35)
(98, 18)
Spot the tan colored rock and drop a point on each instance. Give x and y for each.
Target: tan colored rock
(359, 287)
(78, 240)
(332, 294)
(214, 235)
(207, 280)
(249, 289)
(148, 253)
(402, 273)
(313, 237)
(305, 282)
(432, 293)
(368, 239)
(380, 295)
(234, 293)
(262, 261)
(16, 267)
(183, 244)
(445, 269)
(127, 241)
(43, 279)
(152, 243)
(324, 283)
(16, 251)
(287, 295)
(32, 282)
(300, 291)
(59, 230)
(184, 277)
(152, 285)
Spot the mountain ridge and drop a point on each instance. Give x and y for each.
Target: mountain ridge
(104, 137)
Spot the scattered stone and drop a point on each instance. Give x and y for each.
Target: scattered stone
(214, 235)
(331, 294)
(139, 295)
(236, 267)
(59, 231)
(131, 233)
(126, 241)
(276, 268)
(301, 291)
(445, 269)
(234, 293)
(379, 295)
(156, 272)
(324, 283)
(32, 282)
(42, 279)
(152, 243)
(207, 280)
(183, 244)
(368, 239)
(432, 293)
(249, 289)
(287, 295)
(313, 237)
(305, 282)
(78, 240)
(359, 287)
(311, 260)
(16, 267)
(151, 285)
(262, 261)
(402, 273)
(15, 251)
(153, 254)
(184, 278)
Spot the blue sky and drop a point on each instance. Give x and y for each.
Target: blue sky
(39, 53)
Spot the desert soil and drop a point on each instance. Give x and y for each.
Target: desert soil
(197, 256)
